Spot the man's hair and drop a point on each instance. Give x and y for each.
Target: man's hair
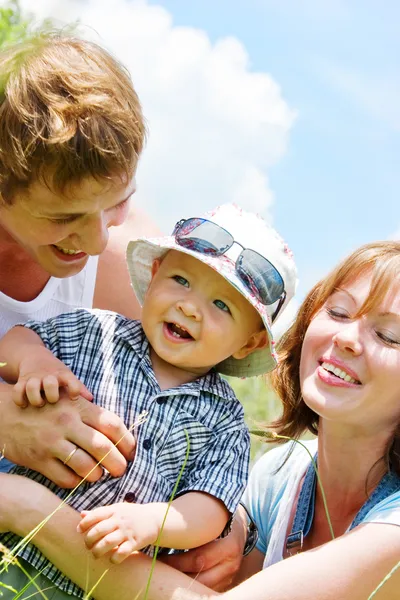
(382, 261)
(68, 110)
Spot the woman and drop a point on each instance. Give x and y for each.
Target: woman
(71, 133)
(339, 376)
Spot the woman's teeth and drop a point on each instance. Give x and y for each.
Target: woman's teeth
(65, 251)
(338, 372)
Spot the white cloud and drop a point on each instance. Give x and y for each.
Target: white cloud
(395, 235)
(215, 126)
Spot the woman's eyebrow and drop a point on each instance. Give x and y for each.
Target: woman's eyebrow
(390, 314)
(338, 290)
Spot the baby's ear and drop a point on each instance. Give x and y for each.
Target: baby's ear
(155, 266)
(255, 342)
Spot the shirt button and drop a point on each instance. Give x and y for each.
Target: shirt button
(130, 497)
(161, 400)
(147, 444)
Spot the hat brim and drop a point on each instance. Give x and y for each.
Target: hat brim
(142, 253)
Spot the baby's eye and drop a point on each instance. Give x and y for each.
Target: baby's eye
(221, 305)
(388, 338)
(181, 280)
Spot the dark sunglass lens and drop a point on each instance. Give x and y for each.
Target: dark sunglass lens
(260, 276)
(204, 236)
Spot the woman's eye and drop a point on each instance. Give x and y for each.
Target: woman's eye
(337, 313)
(181, 280)
(221, 305)
(388, 338)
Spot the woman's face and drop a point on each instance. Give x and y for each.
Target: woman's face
(350, 367)
(60, 233)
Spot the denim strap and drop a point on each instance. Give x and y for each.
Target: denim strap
(304, 512)
(389, 484)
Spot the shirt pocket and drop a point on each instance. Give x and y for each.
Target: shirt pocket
(173, 452)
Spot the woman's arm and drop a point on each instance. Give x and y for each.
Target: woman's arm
(348, 568)
(220, 563)
(26, 503)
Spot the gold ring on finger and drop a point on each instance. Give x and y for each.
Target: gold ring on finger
(70, 455)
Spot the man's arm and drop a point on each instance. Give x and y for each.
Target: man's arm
(41, 438)
(113, 289)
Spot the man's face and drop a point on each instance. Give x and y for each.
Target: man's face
(60, 232)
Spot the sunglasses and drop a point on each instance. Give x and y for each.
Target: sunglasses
(255, 271)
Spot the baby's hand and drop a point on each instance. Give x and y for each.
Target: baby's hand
(40, 378)
(120, 529)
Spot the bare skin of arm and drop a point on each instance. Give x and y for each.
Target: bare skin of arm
(349, 568)
(220, 563)
(119, 529)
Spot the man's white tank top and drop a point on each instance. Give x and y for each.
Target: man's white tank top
(58, 296)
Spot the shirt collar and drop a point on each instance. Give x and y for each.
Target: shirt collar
(212, 383)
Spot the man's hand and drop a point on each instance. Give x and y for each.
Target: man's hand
(215, 564)
(43, 439)
(120, 529)
(41, 375)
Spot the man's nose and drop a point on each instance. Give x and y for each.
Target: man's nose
(93, 236)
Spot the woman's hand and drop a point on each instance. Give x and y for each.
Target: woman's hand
(217, 563)
(43, 439)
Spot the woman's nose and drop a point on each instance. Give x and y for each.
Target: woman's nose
(348, 338)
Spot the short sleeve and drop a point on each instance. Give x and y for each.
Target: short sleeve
(63, 335)
(258, 498)
(270, 481)
(221, 468)
(386, 511)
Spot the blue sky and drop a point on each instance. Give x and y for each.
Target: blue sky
(338, 65)
(289, 107)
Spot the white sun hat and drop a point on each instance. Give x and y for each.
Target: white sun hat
(249, 231)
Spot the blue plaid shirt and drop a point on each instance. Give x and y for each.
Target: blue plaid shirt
(110, 354)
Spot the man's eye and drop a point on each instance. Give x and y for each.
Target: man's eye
(65, 220)
(122, 204)
(181, 280)
(221, 305)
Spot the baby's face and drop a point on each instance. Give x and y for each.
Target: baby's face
(194, 318)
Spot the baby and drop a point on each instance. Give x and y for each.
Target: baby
(209, 294)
